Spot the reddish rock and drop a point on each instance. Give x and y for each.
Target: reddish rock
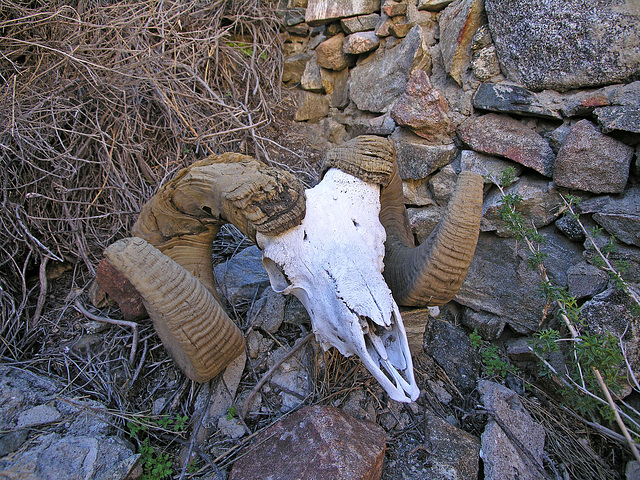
(423, 109)
(331, 54)
(315, 443)
(591, 161)
(503, 136)
(393, 8)
(121, 290)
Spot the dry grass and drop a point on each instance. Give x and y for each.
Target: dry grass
(98, 107)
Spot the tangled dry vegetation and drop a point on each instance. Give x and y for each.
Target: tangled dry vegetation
(99, 105)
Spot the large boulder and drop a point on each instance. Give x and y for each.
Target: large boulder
(566, 45)
(320, 12)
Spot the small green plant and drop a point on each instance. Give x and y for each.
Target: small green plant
(493, 364)
(155, 465)
(592, 361)
(232, 412)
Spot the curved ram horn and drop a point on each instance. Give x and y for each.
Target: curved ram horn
(181, 221)
(432, 273)
(193, 327)
(184, 216)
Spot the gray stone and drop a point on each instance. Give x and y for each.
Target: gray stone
(268, 311)
(293, 380)
(488, 325)
(12, 441)
(621, 254)
(360, 23)
(294, 16)
(458, 24)
(632, 470)
(618, 118)
(583, 102)
(361, 42)
(442, 185)
(377, 82)
(501, 135)
(417, 158)
(585, 280)
(540, 205)
(381, 125)
(611, 313)
(320, 12)
(313, 443)
(231, 427)
(38, 415)
(591, 161)
(621, 216)
(456, 453)
(485, 64)
(311, 79)
(392, 8)
(423, 221)
(500, 281)
(626, 95)
(416, 193)
(509, 98)
(433, 5)
(489, 167)
(501, 456)
(242, 278)
(570, 227)
(557, 137)
(554, 45)
(451, 348)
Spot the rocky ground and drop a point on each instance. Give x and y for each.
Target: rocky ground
(455, 86)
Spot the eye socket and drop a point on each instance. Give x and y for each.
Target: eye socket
(279, 281)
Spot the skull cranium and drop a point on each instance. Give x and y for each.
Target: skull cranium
(333, 264)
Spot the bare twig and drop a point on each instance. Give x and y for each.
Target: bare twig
(269, 373)
(122, 323)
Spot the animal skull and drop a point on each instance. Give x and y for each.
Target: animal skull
(327, 245)
(332, 262)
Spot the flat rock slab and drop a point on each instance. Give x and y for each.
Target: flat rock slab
(313, 443)
(500, 135)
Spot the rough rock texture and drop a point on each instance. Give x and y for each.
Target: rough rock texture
(361, 23)
(361, 42)
(506, 97)
(504, 136)
(120, 290)
(458, 23)
(242, 278)
(620, 216)
(500, 282)
(540, 205)
(375, 84)
(450, 347)
(501, 455)
(566, 45)
(320, 12)
(591, 161)
(312, 443)
(312, 107)
(417, 157)
(331, 54)
(423, 109)
(82, 445)
(585, 280)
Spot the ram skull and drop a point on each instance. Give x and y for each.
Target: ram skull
(344, 248)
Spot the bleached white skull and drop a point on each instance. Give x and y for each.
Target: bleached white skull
(333, 264)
